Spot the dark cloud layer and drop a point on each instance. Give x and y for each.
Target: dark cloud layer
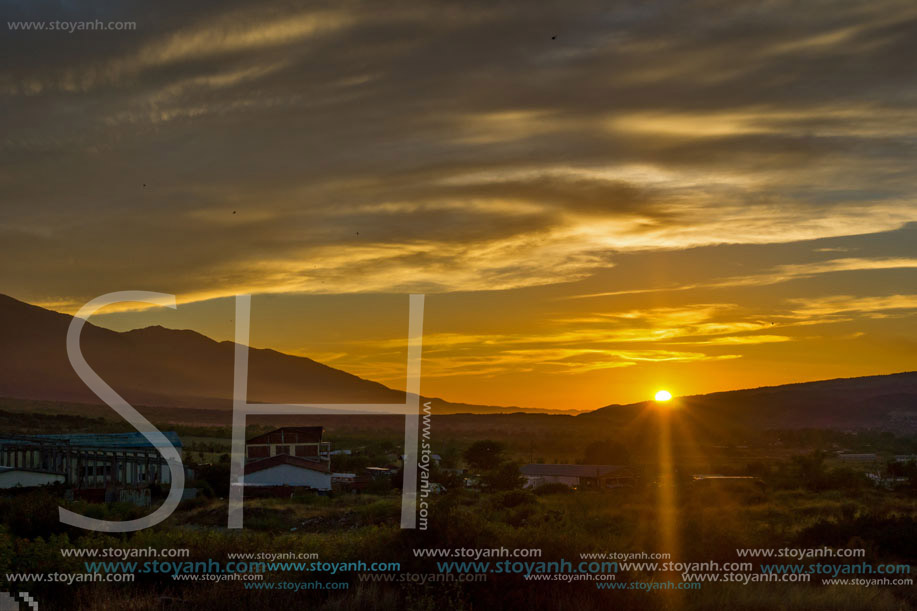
(347, 146)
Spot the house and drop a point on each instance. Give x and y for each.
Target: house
(286, 470)
(301, 441)
(289, 456)
(587, 477)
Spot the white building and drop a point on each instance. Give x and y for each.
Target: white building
(286, 470)
(291, 456)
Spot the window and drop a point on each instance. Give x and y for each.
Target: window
(258, 451)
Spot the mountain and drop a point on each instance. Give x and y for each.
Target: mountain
(170, 368)
(185, 372)
(886, 402)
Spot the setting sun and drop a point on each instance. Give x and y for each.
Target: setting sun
(663, 395)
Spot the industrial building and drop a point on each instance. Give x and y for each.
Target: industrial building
(83, 462)
(12, 477)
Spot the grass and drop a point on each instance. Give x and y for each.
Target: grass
(365, 527)
(710, 526)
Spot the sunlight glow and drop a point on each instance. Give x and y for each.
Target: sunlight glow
(663, 395)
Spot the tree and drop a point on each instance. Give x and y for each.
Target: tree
(809, 471)
(450, 456)
(484, 455)
(504, 477)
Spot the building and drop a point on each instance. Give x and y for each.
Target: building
(289, 456)
(581, 477)
(87, 462)
(301, 441)
(286, 470)
(12, 477)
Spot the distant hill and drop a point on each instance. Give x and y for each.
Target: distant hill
(171, 368)
(184, 373)
(886, 402)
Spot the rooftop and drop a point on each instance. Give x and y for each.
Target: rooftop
(286, 459)
(112, 440)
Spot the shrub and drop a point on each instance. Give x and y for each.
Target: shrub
(555, 488)
(504, 477)
(33, 515)
(514, 498)
(484, 455)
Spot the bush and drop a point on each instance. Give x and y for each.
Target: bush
(504, 477)
(33, 514)
(484, 455)
(555, 488)
(514, 498)
(217, 478)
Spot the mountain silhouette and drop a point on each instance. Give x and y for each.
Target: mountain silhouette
(171, 368)
(887, 402)
(156, 366)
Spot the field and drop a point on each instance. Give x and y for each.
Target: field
(803, 497)
(364, 527)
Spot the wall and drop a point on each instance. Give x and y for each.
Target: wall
(289, 475)
(9, 479)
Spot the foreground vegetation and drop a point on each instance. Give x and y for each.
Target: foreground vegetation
(709, 526)
(803, 497)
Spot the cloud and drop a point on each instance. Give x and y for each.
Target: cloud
(780, 273)
(840, 304)
(442, 148)
(599, 341)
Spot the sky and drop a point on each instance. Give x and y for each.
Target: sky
(599, 199)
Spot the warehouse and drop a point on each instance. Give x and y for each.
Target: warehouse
(11, 477)
(87, 461)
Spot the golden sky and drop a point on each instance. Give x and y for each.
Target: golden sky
(600, 199)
